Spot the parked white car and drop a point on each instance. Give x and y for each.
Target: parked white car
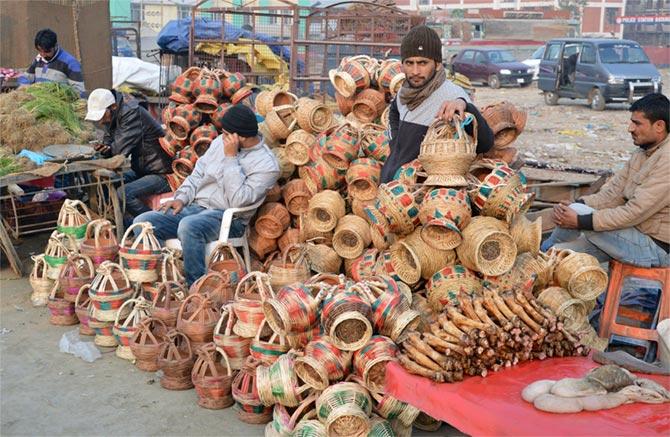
(534, 61)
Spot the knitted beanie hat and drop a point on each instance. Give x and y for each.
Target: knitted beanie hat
(421, 41)
(240, 120)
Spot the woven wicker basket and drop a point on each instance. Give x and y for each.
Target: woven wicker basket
(447, 152)
(281, 121)
(146, 343)
(370, 361)
(40, 282)
(445, 286)
(262, 247)
(289, 240)
(323, 258)
(225, 258)
(342, 146)
(380, 229)
(216, 286)
(73, 219)
(56, 254)
(345, 317)
(390, 408)
(351, 237)
(405, 262)
(487, 246)
(272, 220)
(142, 256)
(279, 384)
(350, 77)
(294, 310)
(501, 192)
(167, 301)
(364, 265)
(298, 144)
(505, 121)
(581, 275)
(391, 76)
(109, 290)
(322, 363)
(309, 233)
(325, 209)
(250, 294)
(197, 318)
(526, 268)
(368, 105)
(82, 307)
(285, 271)
(235, 347)
(313, 116)
(284, 420)
(320, 175)
(267, 350)
(344, 104)
(363, 178)
(431, 259)
(286, 167)
(212, 381)
(526, 234)
(562, 304)
(398, 203)
(444, 213)
(267, 100)
(345, 409)
(176, 359)
(61, 311)
(123, 330)
(77, 271)
(245, 392)
(374, 141)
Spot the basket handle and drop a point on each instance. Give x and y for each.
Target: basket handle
(52, 294)
(87, 261)
(301, 257)
(268, 261)
(146, 235)
(262, 284)
(118, 313)
(219, 251)
(80, 293)
(79, 204)
(310, 400)
(56, 240)
(182, 307)
(106, 269)
(225, 314)
(39, 261)
(225, 357)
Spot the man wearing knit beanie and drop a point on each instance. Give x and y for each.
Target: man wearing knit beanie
(237, 170)
(425, 95)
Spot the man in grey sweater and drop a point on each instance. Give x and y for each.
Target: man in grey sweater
(236, 171)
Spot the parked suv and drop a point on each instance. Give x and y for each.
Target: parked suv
(492, 66)
(599, 70)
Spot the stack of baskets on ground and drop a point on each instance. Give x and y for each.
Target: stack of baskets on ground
(199, 100)
(442, 225)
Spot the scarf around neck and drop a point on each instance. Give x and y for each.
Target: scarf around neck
(413, 97)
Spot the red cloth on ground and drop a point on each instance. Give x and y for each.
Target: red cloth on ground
(493, 405)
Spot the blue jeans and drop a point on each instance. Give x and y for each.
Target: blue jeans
(136, 188)
(195, 226)
(627, 245)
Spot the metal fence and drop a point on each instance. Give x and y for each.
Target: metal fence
(293, 44)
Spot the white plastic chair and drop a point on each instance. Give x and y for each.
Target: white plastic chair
(224, 237)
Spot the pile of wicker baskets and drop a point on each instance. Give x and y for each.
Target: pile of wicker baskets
(199, 99)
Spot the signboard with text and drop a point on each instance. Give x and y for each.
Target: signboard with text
(643, 19)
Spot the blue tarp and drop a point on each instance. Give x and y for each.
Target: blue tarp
(174, 37)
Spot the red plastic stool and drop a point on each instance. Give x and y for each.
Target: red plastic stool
(618, 272)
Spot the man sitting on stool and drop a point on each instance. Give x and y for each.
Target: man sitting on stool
(629, 218)
(237, 170)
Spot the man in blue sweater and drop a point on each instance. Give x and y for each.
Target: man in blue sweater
(53, 64)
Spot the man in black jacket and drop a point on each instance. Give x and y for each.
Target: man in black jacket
(426, 95)
(131, 131)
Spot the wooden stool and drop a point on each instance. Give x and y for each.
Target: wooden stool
(618, 272)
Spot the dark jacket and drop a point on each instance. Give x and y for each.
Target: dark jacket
(134, 132)
(407, 128)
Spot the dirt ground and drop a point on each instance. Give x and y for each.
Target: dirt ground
(46, 392)
(571, 133)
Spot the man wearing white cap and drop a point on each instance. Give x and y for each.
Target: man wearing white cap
(131, 131)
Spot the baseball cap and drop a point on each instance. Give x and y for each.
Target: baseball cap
(98, 102)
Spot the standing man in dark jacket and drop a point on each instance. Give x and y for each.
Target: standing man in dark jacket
(131, 131)
(426, 94)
